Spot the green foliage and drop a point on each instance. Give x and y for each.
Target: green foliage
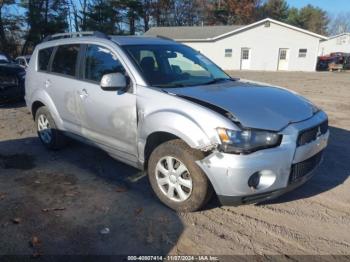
(45, 17)
(102, 16)
(309, 17)
(275, 9)
(314, 19)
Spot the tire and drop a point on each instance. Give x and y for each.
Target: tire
(50, 136)
(181, 155)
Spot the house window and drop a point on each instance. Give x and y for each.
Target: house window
(228, 52)
(283, 54)
(302, 52)
(245, 54)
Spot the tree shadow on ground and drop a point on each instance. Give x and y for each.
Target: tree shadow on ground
(68, 197)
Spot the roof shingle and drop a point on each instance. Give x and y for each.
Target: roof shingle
(191, 32)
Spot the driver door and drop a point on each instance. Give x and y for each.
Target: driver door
(108, 117)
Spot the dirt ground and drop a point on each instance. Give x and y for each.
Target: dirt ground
(63, 201)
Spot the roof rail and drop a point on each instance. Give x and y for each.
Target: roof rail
(165, 38)
(75, 34)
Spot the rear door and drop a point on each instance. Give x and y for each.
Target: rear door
(108, 117)
(62, 85)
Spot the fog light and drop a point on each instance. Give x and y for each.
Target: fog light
(261, 180)
(254, 180)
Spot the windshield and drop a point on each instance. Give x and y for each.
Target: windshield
(174, 65)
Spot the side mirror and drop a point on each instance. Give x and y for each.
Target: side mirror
(113, 82)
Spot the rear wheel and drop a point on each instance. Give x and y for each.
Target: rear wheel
(175, 177)
(49, 135)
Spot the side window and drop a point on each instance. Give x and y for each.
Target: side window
(44, 58)
(65, 60)
(100, 61)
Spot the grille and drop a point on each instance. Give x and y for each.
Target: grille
(309, 135)
(8, 81)
(301, 169)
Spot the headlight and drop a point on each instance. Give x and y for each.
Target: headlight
(247, 141)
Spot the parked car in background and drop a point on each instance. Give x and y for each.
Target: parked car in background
(323, 63)
(11, 80)
(23, 61)
(339, 62)
(163, 107)
(334, 62)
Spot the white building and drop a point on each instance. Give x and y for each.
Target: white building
(267, 45)
(338, 43)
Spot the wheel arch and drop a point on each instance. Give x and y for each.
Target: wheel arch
(35, 106)
(159, 128)
(41, 98)
(153, 140)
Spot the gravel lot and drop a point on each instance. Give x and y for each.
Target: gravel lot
(63, 201)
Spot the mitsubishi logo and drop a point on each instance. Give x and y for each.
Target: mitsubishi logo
(319, 133)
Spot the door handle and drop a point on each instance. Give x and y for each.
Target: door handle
(47, 83)
(83, 94)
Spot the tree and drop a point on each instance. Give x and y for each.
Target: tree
(294, 17)
(275, 9)
(233, 12)
(43, 18)
(339, 24)
(314, 19)
(133, 11)
(78, 13)
(104, 16)
(9, 27)
(146, 13)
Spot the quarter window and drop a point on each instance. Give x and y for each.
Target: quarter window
(228, 52)
(44, 58)
(100, 61)
(65, 60)
(302, 52)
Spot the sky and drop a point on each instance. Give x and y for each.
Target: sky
(331, 6)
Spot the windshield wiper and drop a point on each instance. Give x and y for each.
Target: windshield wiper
(170, 85)
(218, 80)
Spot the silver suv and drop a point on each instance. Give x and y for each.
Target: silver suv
(165, 108)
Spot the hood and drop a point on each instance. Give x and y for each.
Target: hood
(254, 106)
(10, 68)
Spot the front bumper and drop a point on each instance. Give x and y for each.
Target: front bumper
(229, 173)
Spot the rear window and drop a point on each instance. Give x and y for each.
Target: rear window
(65, 60)
(44, 58)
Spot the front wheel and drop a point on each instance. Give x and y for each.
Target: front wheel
(175, 177)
